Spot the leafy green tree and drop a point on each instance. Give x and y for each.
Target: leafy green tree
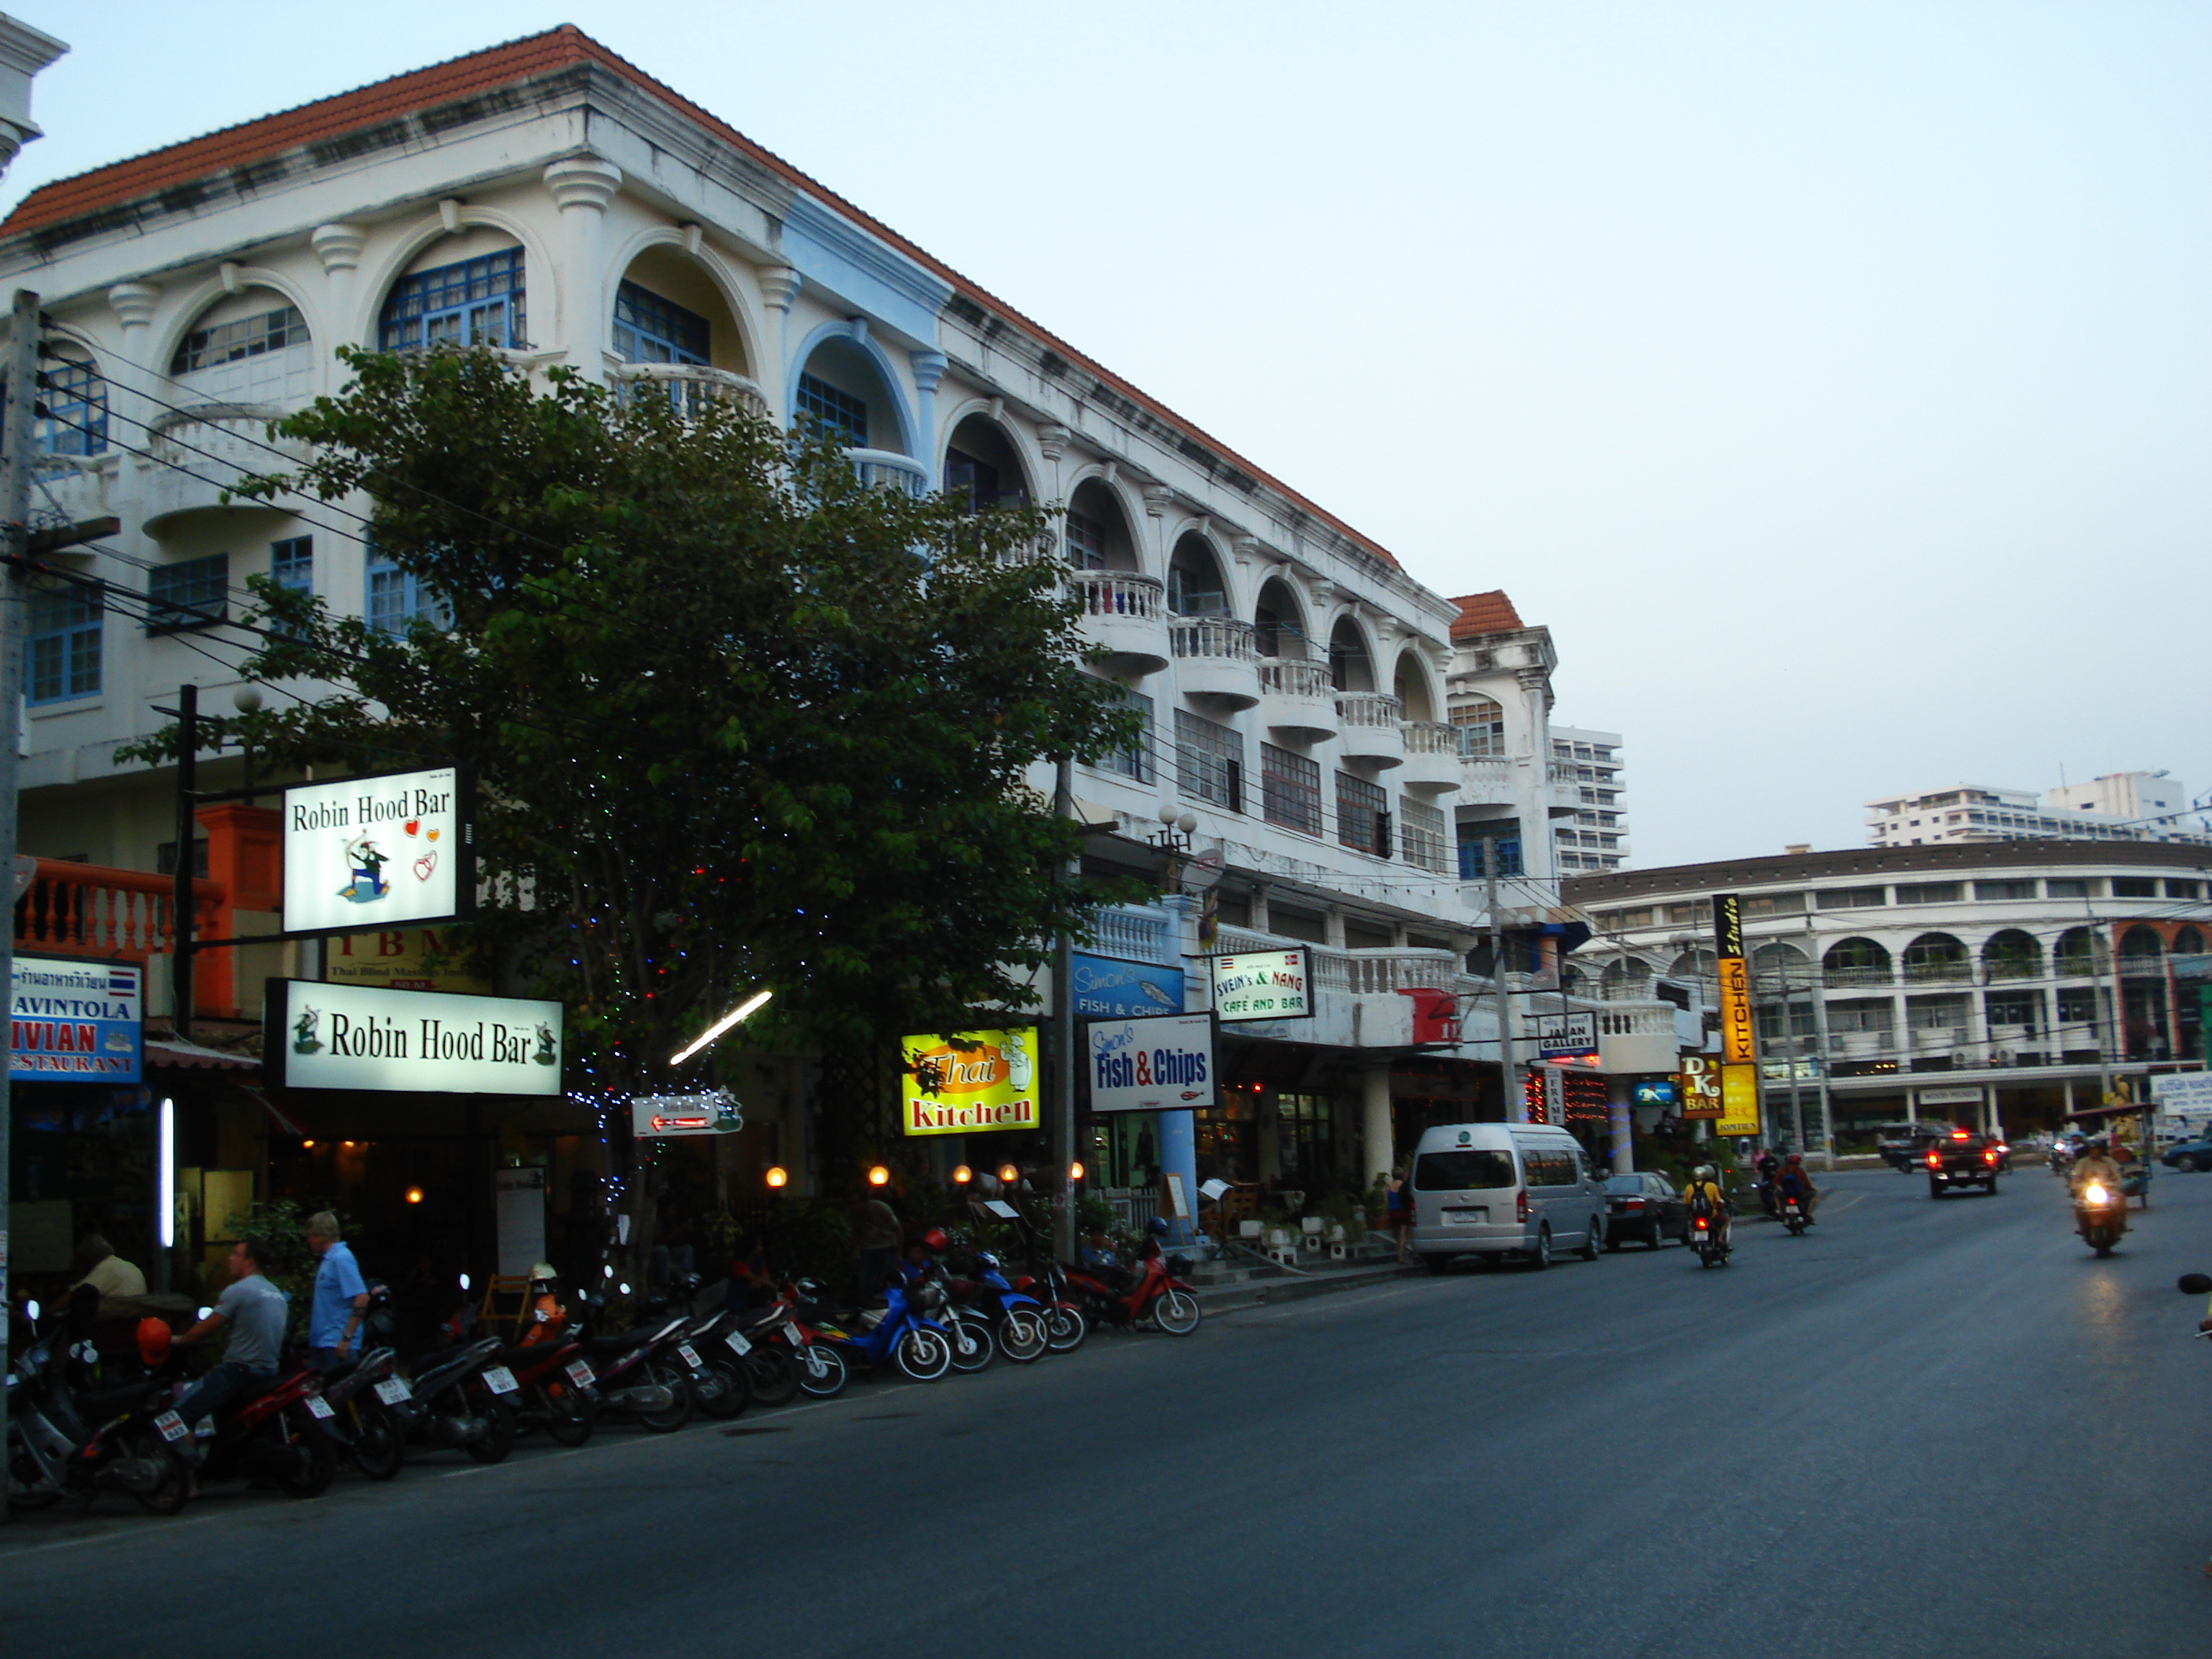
(739, 720)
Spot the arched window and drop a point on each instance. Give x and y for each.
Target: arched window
(2189, 942)
(1782, 966)
(1350, 667)
(1098, 535)
(1482, 723)
(2142, 952)
(1627, 979)
(1411, 687)
(1857, 962)
(2012, 954)
(2076, 954)
(76, 397)
(251, 348)
(1280, 625)
(457, 300)
(1696, 965)
(982, 465)
(1937, 956)
(1195, 587)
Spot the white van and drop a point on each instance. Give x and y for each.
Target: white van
(1493, 1189)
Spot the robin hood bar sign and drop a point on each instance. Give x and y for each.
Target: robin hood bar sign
(323, 1035)
(378, 853)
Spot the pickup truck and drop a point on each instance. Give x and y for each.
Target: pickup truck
(1963, 1159)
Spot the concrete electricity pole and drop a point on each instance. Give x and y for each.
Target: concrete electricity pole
(1516, 1097)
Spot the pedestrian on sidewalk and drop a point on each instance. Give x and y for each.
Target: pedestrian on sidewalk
(1399, 1199)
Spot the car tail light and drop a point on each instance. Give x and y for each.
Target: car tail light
(1521, 1205)
(1633, 1204)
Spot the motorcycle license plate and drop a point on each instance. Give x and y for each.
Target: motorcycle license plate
(581, 1374)
(691, 1355)
(499, 1379)
(739, 1346)
(319, 1407)
(172, 1426)
(392, 1391)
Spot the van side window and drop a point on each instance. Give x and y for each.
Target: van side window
(1451, 1172)
(1550, 1168)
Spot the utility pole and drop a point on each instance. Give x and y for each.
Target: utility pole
(1061, 1140)
(15, 436)
(1516, 1097)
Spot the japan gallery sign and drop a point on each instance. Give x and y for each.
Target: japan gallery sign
(1263, 984)
(378, 853)
(1160, 1063)
(323, 1035)
(970, 1082)
(75, 1022)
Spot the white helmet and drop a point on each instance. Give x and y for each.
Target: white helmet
(1705, 1172)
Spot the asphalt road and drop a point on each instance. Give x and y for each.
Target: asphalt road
(1925, 1429)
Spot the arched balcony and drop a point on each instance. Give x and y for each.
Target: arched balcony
(2079, 954)
(1369, 727)
(2012, 954)
(1433, 763)
(1938, 958)
(1855, 962)
(1297, 700)
(2142, 954)
(204, 452)
(1216, 657)
(1126, 614)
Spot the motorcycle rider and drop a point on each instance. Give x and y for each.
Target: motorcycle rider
(2096, 1165)
(1768, 1165)
(255, 1309)
(1704, 1197)
(1796, 1181)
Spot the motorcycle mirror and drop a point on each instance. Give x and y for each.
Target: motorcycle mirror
(2194, 1284)
(623, 1290)
(31, 1312)
(204, 1312)
(465, 1281)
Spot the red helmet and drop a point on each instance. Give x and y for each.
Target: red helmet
(1796, 1157)
(153, 1340)
(936, 1240)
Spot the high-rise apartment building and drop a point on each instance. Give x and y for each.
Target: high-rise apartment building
(1595, 836)
(2137, 806)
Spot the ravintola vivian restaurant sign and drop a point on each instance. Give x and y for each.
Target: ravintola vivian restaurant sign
(75, 1022)
(970, 1082)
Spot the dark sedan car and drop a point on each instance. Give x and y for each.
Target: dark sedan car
(2195, 1154)
(1646, 1207)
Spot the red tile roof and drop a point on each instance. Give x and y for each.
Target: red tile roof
(478, 72)
(1485, 613)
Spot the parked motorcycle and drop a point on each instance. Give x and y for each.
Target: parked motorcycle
(553, 1389)
(1065, 1327)
(455, 1399)
(72, 1433)
(1016, 1320)
(721, 1383)
(639, 1372)
(2100, 1216)
(901, 1334)
(365, 1431)
(1156, 1290)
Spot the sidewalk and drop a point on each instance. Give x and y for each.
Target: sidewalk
(1237, 1283)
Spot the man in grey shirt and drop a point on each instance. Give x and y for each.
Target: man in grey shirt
(253, 1308)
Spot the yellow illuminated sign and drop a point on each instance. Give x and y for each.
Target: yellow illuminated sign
(1739, 1101)
(970, 1082)
(1701, 1086)
(1737, 1032)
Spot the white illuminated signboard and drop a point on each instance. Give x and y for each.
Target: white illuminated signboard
(1162, 1064)
(1263, 984)
(378, 853)
(320, 1035)
(661, 1116)
(75, 1021)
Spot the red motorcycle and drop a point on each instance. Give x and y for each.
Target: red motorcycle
(275, 1436)
(1155, 1290)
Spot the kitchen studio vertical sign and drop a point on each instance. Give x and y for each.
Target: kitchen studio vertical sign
(380, 852)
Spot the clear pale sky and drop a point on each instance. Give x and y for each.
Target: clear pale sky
(1832, 378)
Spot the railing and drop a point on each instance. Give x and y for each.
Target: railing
(1221, 638)
(1644, 1018)
(1559, 771)
(1498, 772)
(1368, 973)
(1134, 935)
(1431, 737)
(1117, 593)
(884, 469)
(690, 387)
(1377, 710)
(85, 910)
(2142, 967)
(1308, 680)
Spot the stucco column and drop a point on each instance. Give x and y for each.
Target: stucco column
(582, 186)
(928, 370)
(339, 248)
(1377, 1139)
(1621, 1118)
(133, 304)
(779, 287)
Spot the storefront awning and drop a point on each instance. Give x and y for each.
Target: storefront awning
(190, 1056)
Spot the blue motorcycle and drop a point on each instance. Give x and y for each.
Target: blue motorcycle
(900, 1334)
(1017, 1320)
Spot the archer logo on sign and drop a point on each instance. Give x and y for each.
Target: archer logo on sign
(378, 852)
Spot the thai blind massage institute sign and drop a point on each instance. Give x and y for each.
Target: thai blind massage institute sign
(323, 1035)
(378, 853)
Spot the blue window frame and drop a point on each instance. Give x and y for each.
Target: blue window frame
(292, 563)
(247, 337)
(63, 656)
(472, 303)
(194, 594)
(397, 599)
(651, 330)
(1470, 857)
(76, 397)
(848, 414)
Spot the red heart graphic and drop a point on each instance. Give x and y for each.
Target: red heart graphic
(412, 825)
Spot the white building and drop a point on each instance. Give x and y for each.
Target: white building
(1310, 706)
(2009, 981)
(1597, 836)
(2122, 806)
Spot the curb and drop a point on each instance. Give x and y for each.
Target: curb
(1259, 1294)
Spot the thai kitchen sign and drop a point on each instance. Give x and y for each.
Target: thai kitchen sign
(322, 1035)
(1160, 1063)
(970, 1082)
(1263, 984)
(75, 1022)
(378, 853)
